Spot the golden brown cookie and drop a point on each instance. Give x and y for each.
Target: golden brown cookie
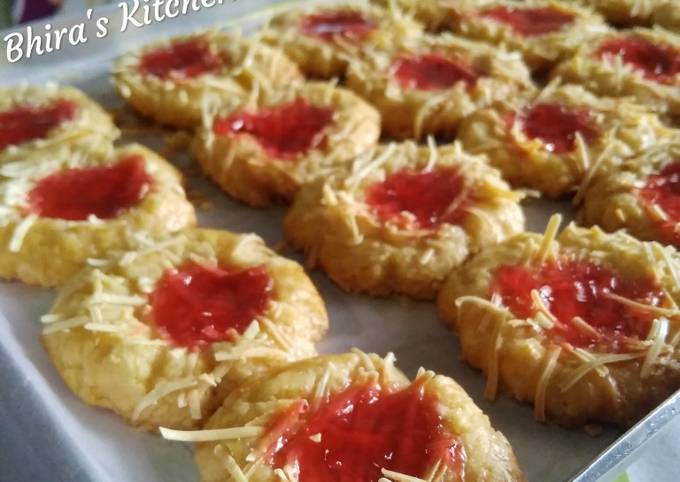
(584, 325)
(162, 334)
(544, 31)
(262, 151)
(434, 14)
(401, 217)
(640, 195)
(667, 14)
(39, 119)
(553, 140)
(63, 207)
(170, 81)
(322, 39)
(626, 12)
(426, 86)
(641, 63)
(352, 417)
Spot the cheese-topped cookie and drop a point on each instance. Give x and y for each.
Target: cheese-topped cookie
(35, 119)
(401, 217)
(428, 85)
(641, 63)
(171, 80)
(352, 417)
(161, 334)
(61, 209)
(552, 141)
(262, 151)
(639, 195)
(322, 39)
(583, 325)
(544, 31)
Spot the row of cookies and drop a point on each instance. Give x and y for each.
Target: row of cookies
(163, 333)
(390, 222)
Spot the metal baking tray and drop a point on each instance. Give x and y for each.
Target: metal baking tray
(50, 435)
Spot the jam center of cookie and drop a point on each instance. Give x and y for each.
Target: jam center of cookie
(184, 59)
(197, 305)
(104, 192)
(426, 199)
(432, 72)
(284, 132)
(530, 22)
(556, 126)
(663, 190)
(27, 123)
(658, 62)
(347, 24)
(362, 430)
(579, 289)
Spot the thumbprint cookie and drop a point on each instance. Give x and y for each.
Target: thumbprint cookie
(641, 63)
(61, 209)
(553, 140)
(626, 12)
(171, 80)
(434, 14)
(322, 39)
(162, 334)
(401, 217)
(584, 325)
(544, 31)
(351, 416)
(35, 119)
(641, 195)
(262, 151)
(428, 85)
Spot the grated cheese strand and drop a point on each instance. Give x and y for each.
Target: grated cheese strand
(19, 234)
(657, 334)
(160, 391)
(399, 477)
(551, 357)
(548, 237)
(211, 435)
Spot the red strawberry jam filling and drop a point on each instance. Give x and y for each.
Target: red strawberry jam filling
(663, 190)
(579, 289)
(362, 430)
(284, 132)
(104, 192)
(183, 59)
(433, 71)
(529, 22)
(556, 126)
(196, 305)
(26, 123)
(347, 24)
(658, 62)
(420, 199)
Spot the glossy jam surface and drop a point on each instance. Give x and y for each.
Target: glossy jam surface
(429, 199)
(184, 59)
(346, 24)
(104, 192)
(28, 123)
(529, 22)
(663, 190)
(360, 431)
(432, 72)
(657, 62)
(556, 126)
(570, 289)
(284, 132)
(196, 305)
